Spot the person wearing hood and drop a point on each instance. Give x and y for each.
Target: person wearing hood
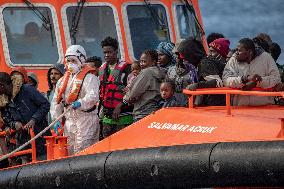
(249, 69)
(188, 53)
(144, 93)
(54, 73)
(32, 79)
(32, 108)
(78, 88)
(210, 72)
(166, 57)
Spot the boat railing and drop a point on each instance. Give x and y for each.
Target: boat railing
(61, 146)
(56, 147)
(228, 92)
(31, 150)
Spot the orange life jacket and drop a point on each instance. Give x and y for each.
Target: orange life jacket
(76, 85)
(111, 92)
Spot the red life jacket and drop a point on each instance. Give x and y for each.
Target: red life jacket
(111, 92)
(76, 86)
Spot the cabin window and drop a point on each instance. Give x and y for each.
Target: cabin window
(187, 26)
(148, 27)
(31, 41)
(95, 24)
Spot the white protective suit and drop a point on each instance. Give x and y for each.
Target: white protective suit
(81, 128)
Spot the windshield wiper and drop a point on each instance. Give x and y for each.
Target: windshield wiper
(50, 28)
(76, 19)
(39, 14)
(191, 10)
(45, 20)
(156, 18)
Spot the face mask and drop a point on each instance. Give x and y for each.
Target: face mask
(17, 84)
(74, 68)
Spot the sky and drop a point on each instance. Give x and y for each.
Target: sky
(237, 19)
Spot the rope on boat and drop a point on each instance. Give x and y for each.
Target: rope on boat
(34, 138)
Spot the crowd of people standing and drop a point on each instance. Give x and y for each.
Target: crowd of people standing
(102, 98)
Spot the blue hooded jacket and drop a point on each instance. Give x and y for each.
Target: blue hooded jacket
(30, 104)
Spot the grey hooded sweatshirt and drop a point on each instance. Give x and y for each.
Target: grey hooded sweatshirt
(50, 92)
(146, 92)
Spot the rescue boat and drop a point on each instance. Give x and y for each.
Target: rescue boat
(192, 147)
(36, 33)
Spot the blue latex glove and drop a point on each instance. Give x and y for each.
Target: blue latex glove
(76, 105)
(56, 126)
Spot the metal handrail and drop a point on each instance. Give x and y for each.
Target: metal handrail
(35, 137)
(31, 151)
(228, 92)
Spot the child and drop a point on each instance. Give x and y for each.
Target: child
(135, 70)
(167, 90)
(144, 92)
(95, 62)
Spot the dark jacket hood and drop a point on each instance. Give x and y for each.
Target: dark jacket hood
(192, 50)
(34, 77)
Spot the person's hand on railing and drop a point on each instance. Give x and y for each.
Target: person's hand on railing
(18, 125)
(249, 86)
(256, 78)
(192, 86)
(29, 125)
(244, 79)
(35, 137)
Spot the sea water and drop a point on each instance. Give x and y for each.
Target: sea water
(237, 19)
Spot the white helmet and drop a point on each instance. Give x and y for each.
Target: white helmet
(78, 51)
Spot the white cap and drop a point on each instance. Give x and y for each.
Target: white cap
(78, 51)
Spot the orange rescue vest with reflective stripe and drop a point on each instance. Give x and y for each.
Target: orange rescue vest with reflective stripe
(76, 85)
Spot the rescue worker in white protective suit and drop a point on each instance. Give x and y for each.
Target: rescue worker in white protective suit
(78, 88)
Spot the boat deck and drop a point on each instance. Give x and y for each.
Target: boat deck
(179, 126)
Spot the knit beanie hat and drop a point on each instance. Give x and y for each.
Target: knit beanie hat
(22, 71)
(221, 45)
(166, 48)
